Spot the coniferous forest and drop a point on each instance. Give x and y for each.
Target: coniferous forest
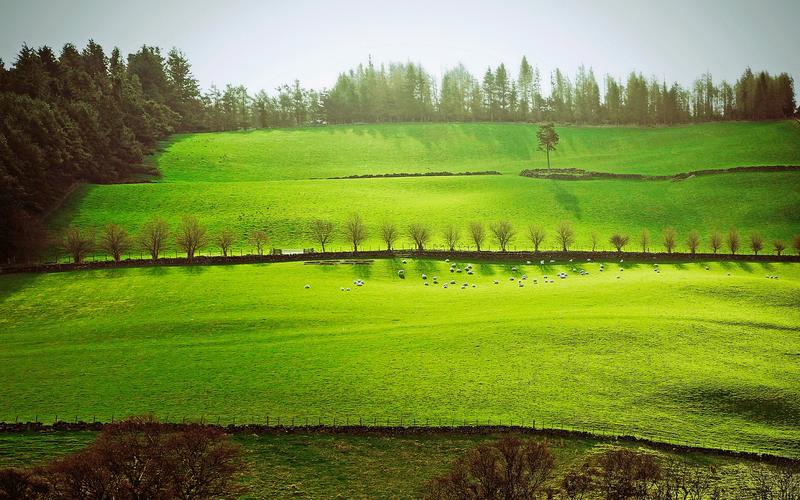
(84, 115)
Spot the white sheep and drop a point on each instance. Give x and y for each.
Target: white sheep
(307, 286)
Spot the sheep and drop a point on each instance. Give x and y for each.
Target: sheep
(307, 286)
(551, 261)
(496, 282)
(426, 283)
(511, 279)
(541, 262)
(424, 276)
(341, 289)
(447, 260)
(444, 286)
(514, 268)
(404, 261)
(452, 282)
(528, 262)
(348, 289)
(401, 273)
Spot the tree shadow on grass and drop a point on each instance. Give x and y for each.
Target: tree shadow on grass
(566, 199)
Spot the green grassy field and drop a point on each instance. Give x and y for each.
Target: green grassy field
(334, 151)
(686, 355)
(351, 466)
(264, 180)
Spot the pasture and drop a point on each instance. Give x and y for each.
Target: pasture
(276, 180)
(687, 354)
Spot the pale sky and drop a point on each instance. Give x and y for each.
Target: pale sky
(262, 44)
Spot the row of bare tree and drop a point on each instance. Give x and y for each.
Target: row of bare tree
(190, 236)
(515, 469)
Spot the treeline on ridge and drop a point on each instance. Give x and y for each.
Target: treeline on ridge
(84, 115)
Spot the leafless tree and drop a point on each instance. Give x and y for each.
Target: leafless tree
(670, 237)
(503, 232)
(355, 231)
(536, 235)
(756, 243)
(478, 234)
(644, 240)
(224, 241)
(190, 236)
(259, 239)
(508, 469)
(565, 235)
(419, 234)
(623, 473)
(115, 241)
(389, 234)
(733, 241)
(693, 241)
(577, 483)
(595, 239)
(779, 246)
(715, 240)
(322, 231)
(619, 241)
(796, 244)
(153, 237)
(451, 237)
(78, 244)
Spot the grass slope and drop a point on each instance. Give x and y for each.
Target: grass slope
(707, 357)
(334, 151)
(349, 466)
(765, 202)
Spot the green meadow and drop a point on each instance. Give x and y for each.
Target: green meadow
(684, 355)
(276, 180)
(354, 466)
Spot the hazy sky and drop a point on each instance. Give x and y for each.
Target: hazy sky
(263, 44)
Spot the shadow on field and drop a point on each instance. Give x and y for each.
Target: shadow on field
(11, 284)
(567, 200)
(764, 405)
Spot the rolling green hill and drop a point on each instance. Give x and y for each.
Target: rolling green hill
(686, 355)
(262, 180)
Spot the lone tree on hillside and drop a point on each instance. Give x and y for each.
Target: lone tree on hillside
(419, 234)
(779, 246)
(78, 243)
(153, 236)
(693, 241)
(619, 241)
(389, 234)
(477, 233)
(224, 240)
(322, 231)
(191, 236)
(715, 241)
(670, 237)
(503, 232)
(258, 239)
(756, 243)
(644, 240)
(451, 237)
(565, 235)
(733, 241)
(536, 235)
(115, 241)
(548, 139)
(355, 230)
(510, 468)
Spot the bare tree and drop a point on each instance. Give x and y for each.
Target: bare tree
(478, 234)
(507, 469)
(670, 237)
(322, 231)
(624, 473)
(756, 243)
(619, 241)
(224, 241)
(503, 232)
(536, 235)
(565, 235)
(419, 234)
(77, 243)
(153, 236)
(115, 241)
(595, 239)
(451, 237)
(389, 234)
(796, 244)
(577, 483)
(355, 231)
(190, 236)
(259, 239)
(733, 241)
(644, 240)
(693, 241)
(779, 246)
(715, 240)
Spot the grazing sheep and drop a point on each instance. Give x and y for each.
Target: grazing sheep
(342, 289)
(348, 289)
(447, 260)
(404, 261)
(496, 282)
(424, 276)
(511, 279)
(541, 262)
(401, 272)
(426, 283)
(452, 282)
(444, 286)
(528, 262)
(307, 286)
